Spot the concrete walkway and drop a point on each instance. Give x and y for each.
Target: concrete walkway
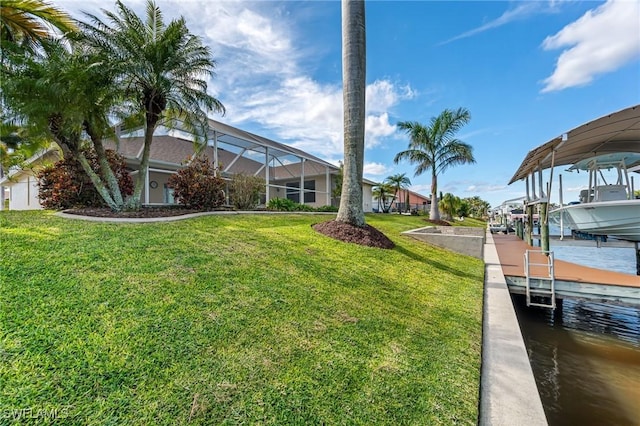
(508, 392)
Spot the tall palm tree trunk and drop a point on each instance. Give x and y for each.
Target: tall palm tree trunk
(354, 87)
(434, 213)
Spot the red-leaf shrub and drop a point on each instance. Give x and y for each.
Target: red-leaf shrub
(65, 184)
(198, 186)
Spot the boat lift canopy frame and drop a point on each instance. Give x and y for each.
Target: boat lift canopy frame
(616, 132)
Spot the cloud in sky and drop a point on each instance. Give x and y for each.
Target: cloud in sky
(262, 79)
(602, 40)
(484, 187)
(264, 73)
(521, 11)
(376, 171)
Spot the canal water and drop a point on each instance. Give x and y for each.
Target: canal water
(619, 256)
(586, 361)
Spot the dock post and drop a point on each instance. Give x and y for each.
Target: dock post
(561, 211)
(637, 244)
(544, 226)
(557, 312)
(529, 228)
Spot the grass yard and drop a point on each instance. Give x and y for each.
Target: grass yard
(243, 319)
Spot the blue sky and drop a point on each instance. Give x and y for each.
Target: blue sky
(528, 71)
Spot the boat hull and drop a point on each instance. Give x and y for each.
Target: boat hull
(620, 219)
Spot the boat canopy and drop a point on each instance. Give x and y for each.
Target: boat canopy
(607, 161)
(618, 132)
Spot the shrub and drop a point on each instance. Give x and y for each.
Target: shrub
(245, 191)
(287, 205)
(65, 184)
(332, 209)
(281, 205)
(198, 186)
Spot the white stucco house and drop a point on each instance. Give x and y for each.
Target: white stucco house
(288, 172)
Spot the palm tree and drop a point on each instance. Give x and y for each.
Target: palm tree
(477, 206)
(382, 192)
(354, 87)
(24, 25)
(435, 147)
(164, 69)
(60, 94)
(27, 22)
(399, 182)
(449, 204)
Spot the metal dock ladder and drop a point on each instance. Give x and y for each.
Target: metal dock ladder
(541, 274)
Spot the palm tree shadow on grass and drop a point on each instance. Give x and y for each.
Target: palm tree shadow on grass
(430, 261)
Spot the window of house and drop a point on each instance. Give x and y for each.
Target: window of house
(167, 196)
(293, 191)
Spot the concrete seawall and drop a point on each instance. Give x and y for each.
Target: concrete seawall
(508, 392)
(461, 239)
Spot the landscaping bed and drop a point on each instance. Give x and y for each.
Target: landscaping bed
(144, 212)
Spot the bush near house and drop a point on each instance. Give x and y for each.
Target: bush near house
(327, 209)
(245, 191)
(287, 205)
(198, 186)
(65, 185)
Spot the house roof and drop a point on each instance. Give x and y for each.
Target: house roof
(244, 150)
(17, 170)
(238, 151)
(616, 132)
(234, 136)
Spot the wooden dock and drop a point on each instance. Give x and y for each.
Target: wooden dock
(572, 280)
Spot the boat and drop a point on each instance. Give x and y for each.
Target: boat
(608, 207)
(608, 149)
(506, 215)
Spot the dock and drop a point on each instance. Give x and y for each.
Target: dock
(571, 280)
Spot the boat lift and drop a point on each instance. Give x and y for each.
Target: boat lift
(614, 133)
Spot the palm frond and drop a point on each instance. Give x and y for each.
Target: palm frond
(29, 21)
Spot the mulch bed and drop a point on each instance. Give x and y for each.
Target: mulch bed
(144, 212)
(366, 236)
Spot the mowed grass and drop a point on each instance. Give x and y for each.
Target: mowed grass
(243, 319)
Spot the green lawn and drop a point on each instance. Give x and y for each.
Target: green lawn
(244, 319)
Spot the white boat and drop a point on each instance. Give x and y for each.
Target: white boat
(608, 148)
(607, 207)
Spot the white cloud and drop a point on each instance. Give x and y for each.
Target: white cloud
(376, 170)
(262, 73)
(523, 10)
(601, 41)
(421, 189)
(382, 94)
(377, 127)
(482, 188)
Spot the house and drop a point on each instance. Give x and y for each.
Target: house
(20, 185)
(288, 172)
(417, 202)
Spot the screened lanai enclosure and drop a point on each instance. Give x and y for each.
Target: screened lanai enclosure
(288, 172)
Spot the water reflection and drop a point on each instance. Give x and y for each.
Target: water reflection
(586, 361)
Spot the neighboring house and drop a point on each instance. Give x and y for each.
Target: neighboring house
(417, 201)
(21, 184)
(288, 172)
